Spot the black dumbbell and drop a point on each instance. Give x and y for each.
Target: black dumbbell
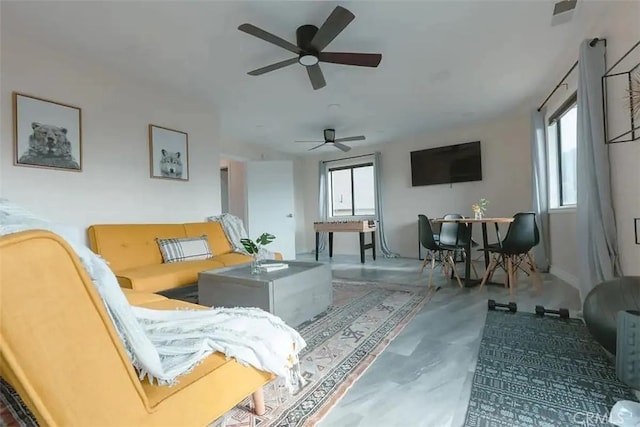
(512, 306)
(563, 312)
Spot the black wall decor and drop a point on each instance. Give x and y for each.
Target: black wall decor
(636, 224)
(629, 79)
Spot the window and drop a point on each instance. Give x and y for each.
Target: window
(352, 191)
(563, 139)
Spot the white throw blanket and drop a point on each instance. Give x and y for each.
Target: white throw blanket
(164, 344)
(235, 231)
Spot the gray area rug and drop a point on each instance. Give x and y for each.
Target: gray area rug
(541, 371)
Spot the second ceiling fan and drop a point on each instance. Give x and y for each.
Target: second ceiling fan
(330, 138)
(311, 40)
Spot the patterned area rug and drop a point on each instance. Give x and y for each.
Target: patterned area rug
(541, 371)
(341, 344)
(13, 411)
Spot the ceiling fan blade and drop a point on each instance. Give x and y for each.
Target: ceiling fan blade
(342, 147)
(317, 146)
(316, 77)
(273, 67)
(306, 142)
(351, 138)
(268, 37)
(348, 58)
(335, 23)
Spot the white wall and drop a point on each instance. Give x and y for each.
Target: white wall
(563, 245)
(237, 190)
(114, 185)
(620, 28)
(224, 190)
(506, 168)
(234, 149)
(563, 253)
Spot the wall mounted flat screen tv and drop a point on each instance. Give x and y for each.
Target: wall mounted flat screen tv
(445, 165)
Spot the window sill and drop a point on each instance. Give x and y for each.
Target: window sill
(563, 209)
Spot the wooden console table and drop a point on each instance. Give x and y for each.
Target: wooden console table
(361, 227)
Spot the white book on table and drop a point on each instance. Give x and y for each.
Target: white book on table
(273, 266)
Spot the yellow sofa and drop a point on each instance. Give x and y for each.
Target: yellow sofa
(60, 351)
(134, 256)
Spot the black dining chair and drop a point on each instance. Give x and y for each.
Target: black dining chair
(454, 237)
(428, 242)
(514, 251)
(435, 228)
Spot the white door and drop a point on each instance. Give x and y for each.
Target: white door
(270, 204)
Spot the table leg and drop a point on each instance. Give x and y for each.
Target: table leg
(317, 243)
(373, 244)
(467, 262)
(362, 247)
(258, 402)
(485, 242)
(419, 243)
(331, 244)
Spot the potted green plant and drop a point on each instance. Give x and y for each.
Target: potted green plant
(253, 248)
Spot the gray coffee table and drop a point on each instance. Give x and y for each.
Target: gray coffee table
(295, 294)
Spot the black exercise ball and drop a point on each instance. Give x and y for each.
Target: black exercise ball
(601, 307)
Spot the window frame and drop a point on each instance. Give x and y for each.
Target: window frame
(351, 167)
(556, 118)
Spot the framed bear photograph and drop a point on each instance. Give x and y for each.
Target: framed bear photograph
(168, 153)
(46, 134)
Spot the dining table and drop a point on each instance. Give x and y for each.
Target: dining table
(468, 281)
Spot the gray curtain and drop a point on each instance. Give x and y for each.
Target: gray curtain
(382, 240)
(539, 193)
(597, 243)
(323, 196)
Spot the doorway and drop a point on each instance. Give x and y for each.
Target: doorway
(261, 195)
(224, 189)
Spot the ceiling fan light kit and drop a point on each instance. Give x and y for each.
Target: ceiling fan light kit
(310, 41)
(330, 135)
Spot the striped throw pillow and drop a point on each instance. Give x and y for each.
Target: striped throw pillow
(185, 249)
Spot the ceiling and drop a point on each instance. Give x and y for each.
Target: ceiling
(444, 63)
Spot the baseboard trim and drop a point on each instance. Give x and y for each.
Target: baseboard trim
(564, 275)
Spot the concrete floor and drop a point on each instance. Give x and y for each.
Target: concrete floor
(424, 377)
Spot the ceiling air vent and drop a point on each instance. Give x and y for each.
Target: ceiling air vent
(564, 6)
(563, 11)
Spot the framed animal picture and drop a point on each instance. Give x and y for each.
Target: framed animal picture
(46, 134)
(168, 153)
